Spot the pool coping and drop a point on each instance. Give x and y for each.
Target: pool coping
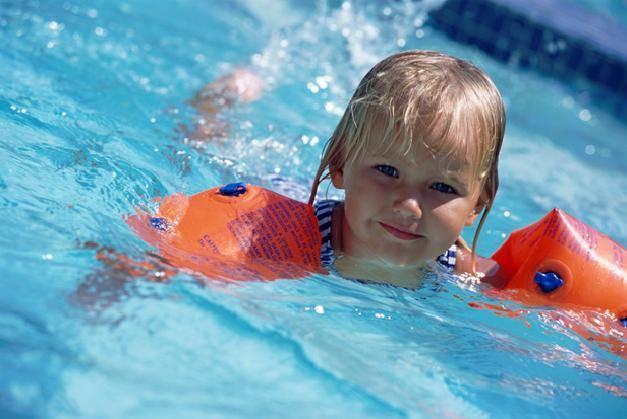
(555, 37)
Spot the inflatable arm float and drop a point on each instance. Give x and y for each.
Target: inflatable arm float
(236, 232)
(561, 261)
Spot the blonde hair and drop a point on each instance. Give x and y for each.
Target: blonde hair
(446, 104)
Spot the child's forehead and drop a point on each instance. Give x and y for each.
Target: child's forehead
(419, 154)
(448, 145)
(435, 134)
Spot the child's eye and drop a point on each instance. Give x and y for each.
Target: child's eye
(443, 187)
(387, 170)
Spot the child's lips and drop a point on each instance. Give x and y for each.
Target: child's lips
(400, 234)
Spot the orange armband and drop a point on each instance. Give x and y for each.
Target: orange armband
(237, 232)
(561, 261)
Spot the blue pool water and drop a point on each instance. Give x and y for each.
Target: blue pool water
(93, 100)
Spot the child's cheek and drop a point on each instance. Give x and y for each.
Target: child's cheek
(377, 179)
(451, 218)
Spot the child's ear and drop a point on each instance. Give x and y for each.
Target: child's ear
(481, 203)
(470, 220)
(337, 178)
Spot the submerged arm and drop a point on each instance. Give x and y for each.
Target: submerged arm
(488, 269)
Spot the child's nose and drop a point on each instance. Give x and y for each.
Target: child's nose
(409, 207)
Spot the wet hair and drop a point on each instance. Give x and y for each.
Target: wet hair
(429, 99)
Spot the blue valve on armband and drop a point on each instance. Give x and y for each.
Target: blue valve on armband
(548, 282)
(624, 322)
(159, 223)
(233, 189)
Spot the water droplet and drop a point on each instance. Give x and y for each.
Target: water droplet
(319, 309)
(585, 115)
(322, 82)
(590, 149)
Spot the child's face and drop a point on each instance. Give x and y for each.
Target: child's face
(405, 209)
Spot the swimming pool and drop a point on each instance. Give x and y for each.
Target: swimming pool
(94, 95)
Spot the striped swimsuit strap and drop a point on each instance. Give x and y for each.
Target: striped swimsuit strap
(324, 212)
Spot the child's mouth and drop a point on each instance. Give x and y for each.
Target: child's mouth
(399, 234)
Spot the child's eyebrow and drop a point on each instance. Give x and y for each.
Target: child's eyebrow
(455, 166)
(458, 180)
(458, 172)
(450, 169)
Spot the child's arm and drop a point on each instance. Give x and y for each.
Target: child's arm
(489, 268)
(108, 283)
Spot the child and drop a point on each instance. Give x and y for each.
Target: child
(416, 154)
